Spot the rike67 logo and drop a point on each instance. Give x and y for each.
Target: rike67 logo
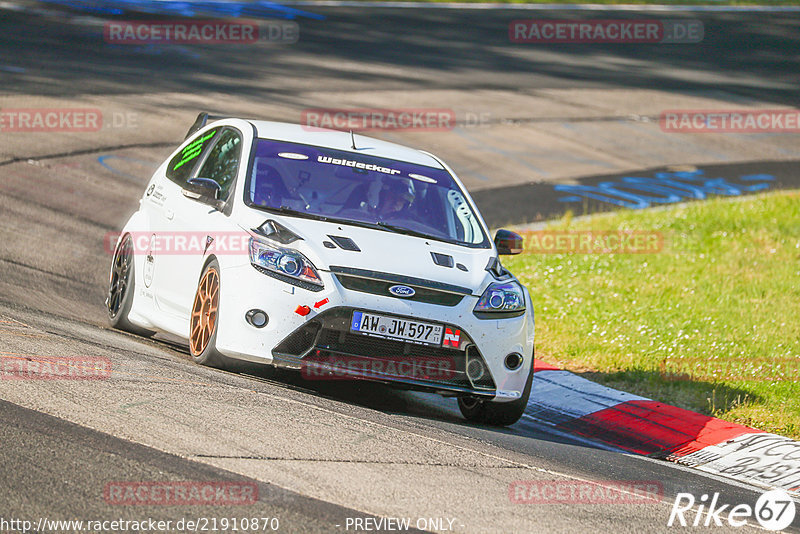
(774, 510)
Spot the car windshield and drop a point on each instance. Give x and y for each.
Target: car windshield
(392, 195)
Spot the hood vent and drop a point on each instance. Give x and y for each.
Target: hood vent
(345, 243)
(442, 259)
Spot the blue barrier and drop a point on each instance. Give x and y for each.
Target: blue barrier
(637, 192)
(216, 8)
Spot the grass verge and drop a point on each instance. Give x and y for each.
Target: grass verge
(625, 2)
(710, 323)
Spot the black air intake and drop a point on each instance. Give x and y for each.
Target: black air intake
(442, 259)
(345, 243)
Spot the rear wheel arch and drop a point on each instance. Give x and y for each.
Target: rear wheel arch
(122, 287)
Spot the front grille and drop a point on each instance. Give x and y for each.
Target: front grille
(379, 287)
(362, 345)
(378, 283)
(327, 340)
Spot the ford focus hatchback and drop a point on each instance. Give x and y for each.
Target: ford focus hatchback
(335, 254)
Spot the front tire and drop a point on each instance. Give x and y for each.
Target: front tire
(121, 288)
(496, 413)
(204, 321)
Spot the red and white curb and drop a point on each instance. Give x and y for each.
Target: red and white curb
(614, 419)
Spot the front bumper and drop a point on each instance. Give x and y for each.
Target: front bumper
(326, 348)
(321, 345)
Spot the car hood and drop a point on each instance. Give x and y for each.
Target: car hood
(383, 251)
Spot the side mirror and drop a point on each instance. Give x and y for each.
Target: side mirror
(508, 242)
(204, 190)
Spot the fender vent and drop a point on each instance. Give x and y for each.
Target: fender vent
(277, 231)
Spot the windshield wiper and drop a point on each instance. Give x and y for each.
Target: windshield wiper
(380, 225)
(285, 210)
(403, 230)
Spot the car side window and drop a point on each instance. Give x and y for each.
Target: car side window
(222, 162)
(180, 167)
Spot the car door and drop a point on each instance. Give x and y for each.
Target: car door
(158, 205)
(194, 222)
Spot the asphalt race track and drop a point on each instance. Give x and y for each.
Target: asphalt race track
(530, 117)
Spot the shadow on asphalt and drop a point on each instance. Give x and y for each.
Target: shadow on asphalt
(737, 49)
(391, 400)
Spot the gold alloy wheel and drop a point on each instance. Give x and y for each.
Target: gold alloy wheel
(204, 312)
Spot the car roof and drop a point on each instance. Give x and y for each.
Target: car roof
(338, 140)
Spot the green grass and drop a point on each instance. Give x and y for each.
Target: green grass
(711, 323)
(636, 2)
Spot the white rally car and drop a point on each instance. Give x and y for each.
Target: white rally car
(336, 254)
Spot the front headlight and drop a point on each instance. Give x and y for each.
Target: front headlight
(289, 265)
(502, 297)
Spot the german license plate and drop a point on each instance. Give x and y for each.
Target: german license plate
(394, 328)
